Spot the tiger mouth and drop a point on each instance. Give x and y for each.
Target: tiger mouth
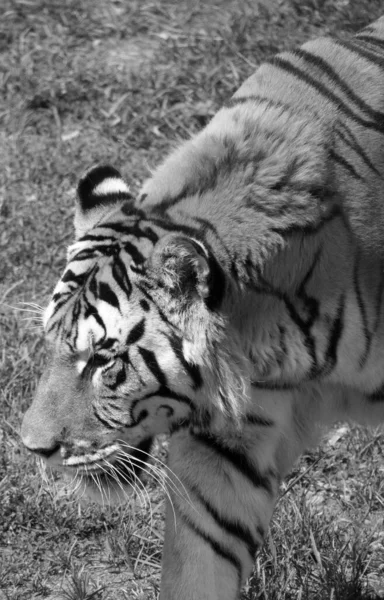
(124, 469)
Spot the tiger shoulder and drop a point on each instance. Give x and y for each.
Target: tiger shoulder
(310, 120)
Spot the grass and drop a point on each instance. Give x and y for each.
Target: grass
(86, 81)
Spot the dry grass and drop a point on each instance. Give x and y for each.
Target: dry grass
(85, 81)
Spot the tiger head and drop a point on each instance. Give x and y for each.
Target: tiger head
(135, 340)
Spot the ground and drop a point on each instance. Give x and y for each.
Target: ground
(118, 81)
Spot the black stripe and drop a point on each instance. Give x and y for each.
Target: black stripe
(264, 287)
(153, 366)
(135, 254)
(144, 305)
(379, 302)
(110, 198)
(130, 210)
(304, 326)
(239, 100)
(317, 61)
(92, 284)
(334, 340)
(252, 419)
(370, 28)
(232, 102)
(273, 385)
(362, 51)
(168, 225)
(353, 144)
(134, 229)
(60, 299)
(270, 210)
(108, 343)
(216, 546)
(167, 203)
(136, 332)
(311, 304)
(344, 163)
(184, 423)
(363, 313)
(91, 311)
(71, 277)
(308, 229)
(96, 238)
(233, 527)
(192, 370)
(76, 311)
(106, 294)
(86, 254)
(377, 395)
(282, 345)
(162, 316)
(372, 40)
(121, 378)
(239, 460)
(204, 225)
(119, 273)
(97, 361)
(103, 421)
(287, 66)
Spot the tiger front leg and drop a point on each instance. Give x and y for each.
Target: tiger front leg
(221, 506)
(223, 494)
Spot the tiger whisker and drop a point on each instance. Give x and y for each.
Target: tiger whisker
(169, 479)
(20, 309)
(101, 487)
(104, 488)
(163, 465)
(155, 473)
(133, 485)
(77, 482)
(33, 305)
(128, 461)
(73, 487)
(114, 473)
(98, 485)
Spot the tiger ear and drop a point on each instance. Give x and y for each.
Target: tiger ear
(184, 266)
(98, 192)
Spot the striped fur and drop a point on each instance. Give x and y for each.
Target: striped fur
(236, 304)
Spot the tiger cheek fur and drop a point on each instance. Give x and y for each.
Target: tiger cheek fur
(237, 304)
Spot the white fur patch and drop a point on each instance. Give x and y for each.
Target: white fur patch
(87, 459)
(80, 366)
(191, 353)
(111, 185)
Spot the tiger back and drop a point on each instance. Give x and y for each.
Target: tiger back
(236, 304)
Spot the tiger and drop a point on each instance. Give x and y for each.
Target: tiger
(235, 303)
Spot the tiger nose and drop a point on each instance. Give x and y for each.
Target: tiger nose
(37, 437)
(43, 452)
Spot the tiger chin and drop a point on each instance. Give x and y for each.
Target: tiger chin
(236, 304)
